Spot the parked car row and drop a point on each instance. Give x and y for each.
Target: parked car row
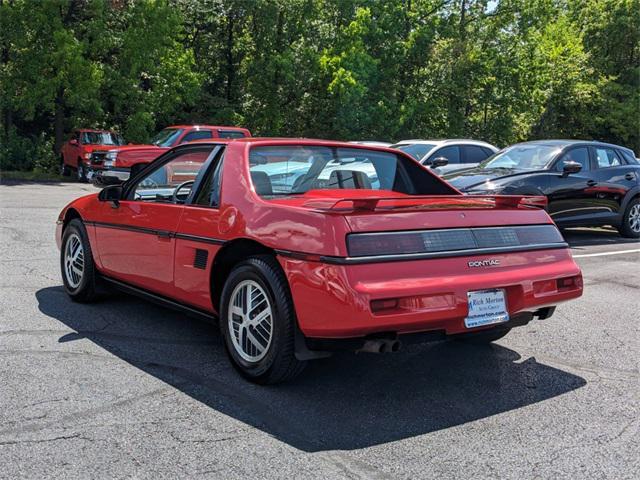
(585, 183)
(95, 154)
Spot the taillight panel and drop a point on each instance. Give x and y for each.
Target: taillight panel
(462, 240)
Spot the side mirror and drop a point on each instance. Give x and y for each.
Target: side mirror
(112, 193)
(73, 142)
(439, 162)
(570, 167)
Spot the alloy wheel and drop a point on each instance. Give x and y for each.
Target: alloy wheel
(250, 321)
(74, 260)
(634, 218)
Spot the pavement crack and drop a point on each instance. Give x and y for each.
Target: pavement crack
(41, 440)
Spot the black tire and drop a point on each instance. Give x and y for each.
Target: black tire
(483, 337)
(64, 168)
(81, 172)
(626, 228)
(279, 363)
(86, 288)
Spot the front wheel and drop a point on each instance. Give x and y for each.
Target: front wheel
(482, 337)
(630, 226)
(257, 322)
(76, 263)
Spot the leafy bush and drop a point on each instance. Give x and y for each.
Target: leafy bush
(25, 153)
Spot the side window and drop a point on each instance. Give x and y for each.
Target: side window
(473, 154)
(160, 185)
(606, 157)
(579, 155)
(197, 135)
(209, 194)
(487, 151)
(450, 153)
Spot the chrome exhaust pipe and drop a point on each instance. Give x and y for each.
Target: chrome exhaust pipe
(372, 346)
(381, 345)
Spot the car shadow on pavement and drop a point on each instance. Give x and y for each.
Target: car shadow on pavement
(349, 401)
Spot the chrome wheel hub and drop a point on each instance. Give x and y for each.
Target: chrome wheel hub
(250, 321)
(74, 260)
(634, 218)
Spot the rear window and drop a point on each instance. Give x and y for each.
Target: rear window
(231, 134)
(295, 170)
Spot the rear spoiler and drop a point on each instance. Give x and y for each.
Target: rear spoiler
(426, 202)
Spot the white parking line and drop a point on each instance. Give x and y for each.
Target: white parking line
(637, 250)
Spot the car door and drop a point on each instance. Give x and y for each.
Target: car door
(199, 236)
(136, 239)
(613, 176)
(71, 150)
(571, 197)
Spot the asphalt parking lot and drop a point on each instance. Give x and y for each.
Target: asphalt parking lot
(126, 389)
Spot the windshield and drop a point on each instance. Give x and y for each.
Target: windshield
(522, 157)
(102, 138)
(167, 137)
(290, 170)
(416, 150)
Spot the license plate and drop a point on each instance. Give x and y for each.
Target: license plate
(486, 307)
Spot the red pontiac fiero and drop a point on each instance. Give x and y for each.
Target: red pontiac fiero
(302, 247)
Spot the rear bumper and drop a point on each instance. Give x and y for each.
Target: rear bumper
(334, 301)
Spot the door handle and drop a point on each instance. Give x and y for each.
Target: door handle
(591, 183)
(629, 176)
(162, 234)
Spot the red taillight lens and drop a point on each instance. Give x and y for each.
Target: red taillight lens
(386, 304)
(569, 283)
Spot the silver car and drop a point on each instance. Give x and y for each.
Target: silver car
(446, 156)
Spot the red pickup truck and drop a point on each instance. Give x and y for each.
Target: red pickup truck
(120, 161)
(76, 152)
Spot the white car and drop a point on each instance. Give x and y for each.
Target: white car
(459, 154)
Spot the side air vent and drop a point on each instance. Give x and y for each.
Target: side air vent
(200, 260)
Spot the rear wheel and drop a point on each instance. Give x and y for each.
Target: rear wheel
(76, 263)
(630, 226)
(483, 337)
(257, 321)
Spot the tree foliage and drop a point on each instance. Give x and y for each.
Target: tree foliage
(503, 71)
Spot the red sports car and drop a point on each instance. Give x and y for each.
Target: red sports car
(303, 247)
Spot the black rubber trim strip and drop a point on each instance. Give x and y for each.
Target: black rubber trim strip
(131, 228)
(430, 255)
(198, 238)
(153, 297)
